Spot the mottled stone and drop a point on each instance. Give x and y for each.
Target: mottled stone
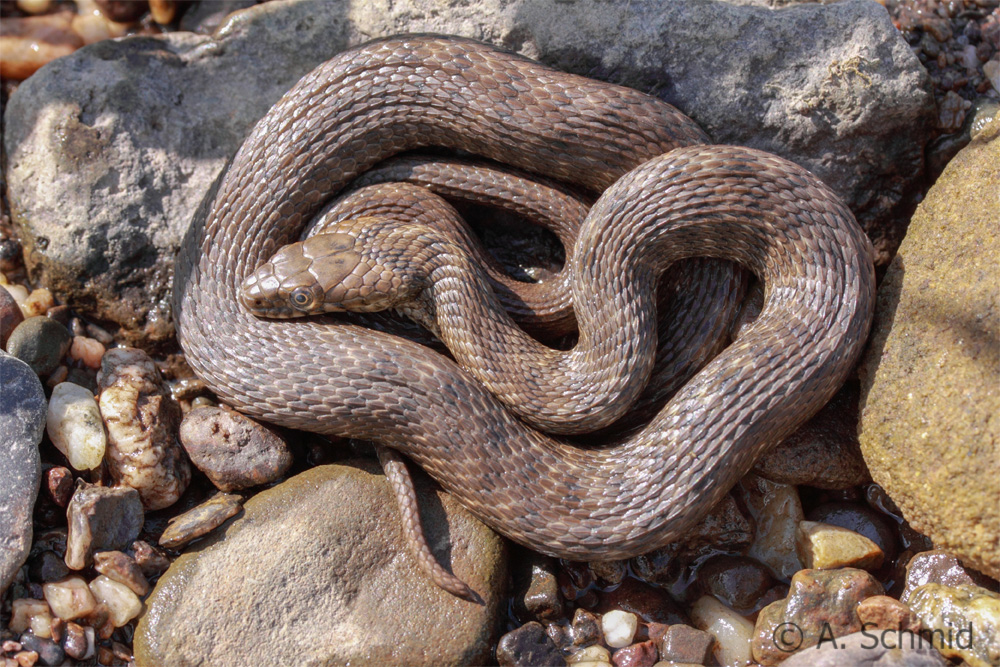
(22, 422)
(777, 511)
(819, 602)
(585, 628)
(929, 430)
(682, 643)
(325, 549)
(536, 589)
(964, 621)
(100, 519)
(39, 342)
(882, 612)
(940, 567)
(232, 450)
(862, 520)
(825, 547)
(528, 646)
(201, 520)
(642, 654)
(123, 569)
(737, 581)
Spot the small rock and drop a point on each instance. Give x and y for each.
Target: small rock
(964, 621)
(825, 452)
(23, 611)
(682, 643)
(121, 601)
(585, 628)
(201, 520)
(824, 547)
(639, 598)
(619, 628)
(234, 451)
(819, 603)
(39, 342)
(87, 351)
(59, 483)
(609, 573)
(642, 654)
(868, 649)
(536, 588)
(777, 511)
(591, 656)
(74, 426)
(528, 646)
(150, 560)
(47, 566)
(739, 582)
(101, 519)
(882, 612)
(142, 421)
(78, 642)
(123, 569)
(22, 422)
(10, 316)
(70, 598)
(732, 632)
(861, 519)
(49, 652)
(939, 567)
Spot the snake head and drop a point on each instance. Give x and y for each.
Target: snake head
(358, 268)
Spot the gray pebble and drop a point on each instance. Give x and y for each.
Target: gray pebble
(39, 342)
(101, 518)
(49, 652)
(528, 645)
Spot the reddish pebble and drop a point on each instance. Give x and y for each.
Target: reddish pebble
(59, 481)
(637, 655)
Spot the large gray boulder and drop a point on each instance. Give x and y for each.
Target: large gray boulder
(111, 149)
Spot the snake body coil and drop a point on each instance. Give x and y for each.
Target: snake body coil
(329, 377)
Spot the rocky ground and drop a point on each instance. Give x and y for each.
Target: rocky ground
(142, 523)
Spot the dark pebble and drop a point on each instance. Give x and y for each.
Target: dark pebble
(862, 520)
(536, 592)
(47, 566)
(150, 560)
(39, 342)
(123, 11)
(49, 653)
(85, 377)
(59, 484)
(99, 334)
(62, 314)
(610, 573)
(233, 451)
(528, 646)
(203, 519)
(100, 519)
(682, 643)
(10, 316)
(739, 582)
(585, 629)
(75, 641)
(11, 255)
(123, 569)
(648, 603)
(643, 654)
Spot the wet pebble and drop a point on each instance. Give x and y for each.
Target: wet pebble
(682, 643)
(142, 421)
(591, 656)
(151, 561)
(49, 652)
(968, 609)
(939, 567)
(78, 642)
(739, 582)
(619, 627)
(609, 573)
(861, 519)
(585, 628)
(647, 602)
(74, 425)
(732, 632)
(39, 342)
(122, 602)
(201, 520)
(818, 602)
(10, 316)
(27, 613)
(100, 519)
(69, 598)
(882, 612)
(642, 654)
(123, 569)
(825, 547)
(777, 511)
(536, 588)
(528, 646)
(232, 450)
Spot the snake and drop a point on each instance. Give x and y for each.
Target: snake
(652, 164)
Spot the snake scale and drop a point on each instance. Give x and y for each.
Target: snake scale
(685, 198)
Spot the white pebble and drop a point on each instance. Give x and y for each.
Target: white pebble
(119, 598)
(87, 350)
(37, 303)
(20, 294)
(592, 656)
(732, 632)
(69, 598)
(619, 628)
(24, 610)
(74, 426)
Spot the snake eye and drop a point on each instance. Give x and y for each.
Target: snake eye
(302, 298)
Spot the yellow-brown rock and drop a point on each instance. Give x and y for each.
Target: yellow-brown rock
(930, 405)
(824, 547)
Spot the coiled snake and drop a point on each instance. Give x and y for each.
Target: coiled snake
(684, 198)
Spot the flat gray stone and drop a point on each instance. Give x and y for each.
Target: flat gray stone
(111, 149)
(315, 572)
(22, 422)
